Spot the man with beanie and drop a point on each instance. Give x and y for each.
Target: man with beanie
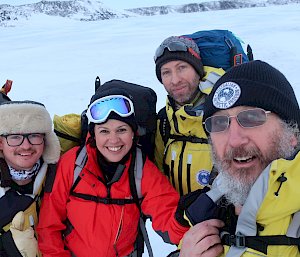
(29, 150)
(181, 147)
(252, 118)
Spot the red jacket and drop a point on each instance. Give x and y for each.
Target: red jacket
(103, 230)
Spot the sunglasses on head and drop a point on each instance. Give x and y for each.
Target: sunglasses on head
(247, 119)
(100, 109)
(174, 47)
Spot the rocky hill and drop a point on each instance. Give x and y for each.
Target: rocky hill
(92, 10)
(207, 6)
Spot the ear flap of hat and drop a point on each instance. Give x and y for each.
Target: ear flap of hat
(52, 148)
(19, 117)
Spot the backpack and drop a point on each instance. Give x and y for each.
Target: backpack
(144, 101)
(68, 129)
(218, 49)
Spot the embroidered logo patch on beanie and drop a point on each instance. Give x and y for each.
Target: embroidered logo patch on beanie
(226, 95)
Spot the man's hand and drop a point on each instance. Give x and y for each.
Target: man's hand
(24, 239)
(203, 240)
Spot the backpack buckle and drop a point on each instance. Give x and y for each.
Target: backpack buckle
(238, 241)
(237, 59)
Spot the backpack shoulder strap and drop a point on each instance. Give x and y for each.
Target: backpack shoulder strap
(40, 180)
(79, 164)
(164, 125)
(207, 85)
(294, 227)
(132, 182)
(135, 180)
(138, 172)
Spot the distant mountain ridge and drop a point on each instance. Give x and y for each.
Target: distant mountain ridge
(207, 6)
(92, 10)
(84, 10)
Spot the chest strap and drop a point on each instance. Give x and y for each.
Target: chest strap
(191, 139)
(104, 200)
(258, 243)
(137, 181)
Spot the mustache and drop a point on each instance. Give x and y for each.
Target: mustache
(241, 152)
(29, 150)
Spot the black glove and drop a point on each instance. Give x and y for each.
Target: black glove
(184, 202)
(203, 208)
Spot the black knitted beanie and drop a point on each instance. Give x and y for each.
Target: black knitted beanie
(255, 84)
(185, 56)
(113, 90)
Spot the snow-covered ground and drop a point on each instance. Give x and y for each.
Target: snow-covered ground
(56, 60)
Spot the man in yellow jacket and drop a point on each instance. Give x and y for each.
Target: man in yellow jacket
(182, 151)
(252, 116)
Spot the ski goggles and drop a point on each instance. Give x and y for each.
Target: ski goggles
(100, 109)
(174, 47)
(247, 119)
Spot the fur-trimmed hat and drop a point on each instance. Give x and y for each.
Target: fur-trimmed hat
(255, 84)
(19, 117)
(191, 55)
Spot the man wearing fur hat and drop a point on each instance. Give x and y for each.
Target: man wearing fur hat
(28, 150)
(181, 147)
(253, 209)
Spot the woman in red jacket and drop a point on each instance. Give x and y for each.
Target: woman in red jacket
(97, 216)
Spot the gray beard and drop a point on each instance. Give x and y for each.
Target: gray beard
(236, 188)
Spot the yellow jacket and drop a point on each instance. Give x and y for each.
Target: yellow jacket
(278, 205)
(187, 164)
(272, 208)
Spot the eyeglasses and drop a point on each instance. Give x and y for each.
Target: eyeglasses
(18, 139)
(174, 47)
(99, 110)
(247, 119)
